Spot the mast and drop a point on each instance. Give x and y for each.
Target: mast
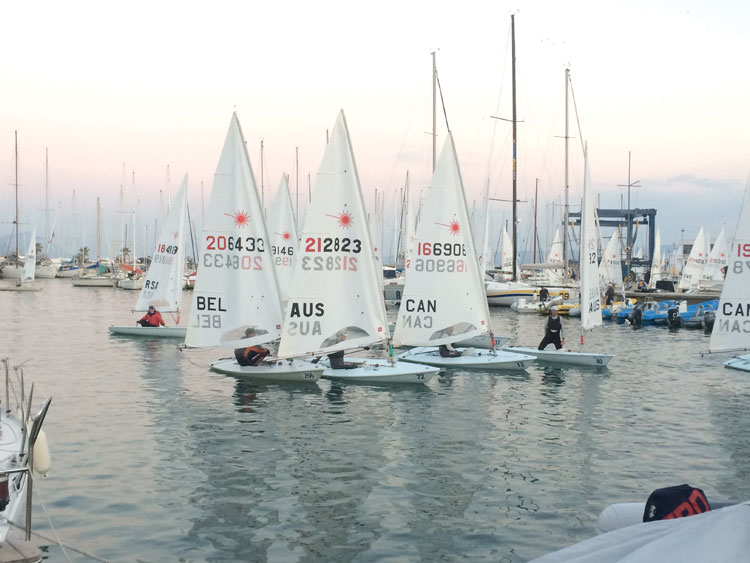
(515, 192)
(536, 201)
(567, 185)
(46, 196)
(434, 110)
(16, 185)
(262, 204)
(98, 230)
(296, 188)
(133, 219)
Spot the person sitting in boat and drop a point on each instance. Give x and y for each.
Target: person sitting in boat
(641, 285)
(448, 351)
(250, 355)
(553, 331)
(336, 359)
(151, 318)
(543, 294)
(610, 295)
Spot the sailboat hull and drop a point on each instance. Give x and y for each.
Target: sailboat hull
(741, 363)
(290, 371)
(24, 287)
(150, 331)
(94, 281)
(472, 359)
(131, 283)
(564, 357)
(379, 370)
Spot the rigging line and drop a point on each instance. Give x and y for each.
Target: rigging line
(575, 108)
(442, 102)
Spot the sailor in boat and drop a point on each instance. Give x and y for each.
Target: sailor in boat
(553, 331)
(336, 359)
(447, 350)
(250, 355)
(151, 318)
(609, 295)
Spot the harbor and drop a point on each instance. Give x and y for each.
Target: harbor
(147, 443)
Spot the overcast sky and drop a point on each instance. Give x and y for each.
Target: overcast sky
(153, 84)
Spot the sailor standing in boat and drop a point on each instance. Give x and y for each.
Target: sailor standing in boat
(553, 331)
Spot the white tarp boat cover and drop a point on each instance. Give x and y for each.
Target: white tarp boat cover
(718, 535)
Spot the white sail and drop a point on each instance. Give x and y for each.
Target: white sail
(507, 263)
(375, 223)
(163, 285)
(555, 256)
(488, 255)
(444, 296)
(335, 302)
(731, 330)
(717, 259)
(610, 267)
(29, 265)
(591, 310)
(235, 287)
(656, 266)
(282, 233)
(692, 271)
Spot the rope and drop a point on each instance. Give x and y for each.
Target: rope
(64, 545)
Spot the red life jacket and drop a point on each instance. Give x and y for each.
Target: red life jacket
(153, 320)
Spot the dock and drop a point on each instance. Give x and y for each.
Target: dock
(15, 549)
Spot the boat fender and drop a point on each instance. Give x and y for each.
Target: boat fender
(42, 460)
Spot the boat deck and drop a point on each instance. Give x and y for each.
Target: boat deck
(16, 550)
(691, 298)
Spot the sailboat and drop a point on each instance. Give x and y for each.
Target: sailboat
(162, 288)
(657, 270)
(282, 232)
(696, 262)
(591, 313)
(730, 331)
(236, 287)
(24, 446)
(712, 278)
(134, 279)
(444, 296)
(26, 281)
(335, 303)
(103, 277)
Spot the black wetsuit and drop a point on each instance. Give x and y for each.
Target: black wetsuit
(553, 333)
(337, 361)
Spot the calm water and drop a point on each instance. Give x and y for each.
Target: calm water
(156, 458)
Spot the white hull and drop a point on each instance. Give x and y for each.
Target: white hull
(503, 294)
(482, 341)
(94, 281)
(564, 357)
(279, 370)
(379, 370)
(741, 363)
(45, 272)
(474, 359)
(11, 271)
(68, 273)
(150, 331)
(131, 283)
(24, 287)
